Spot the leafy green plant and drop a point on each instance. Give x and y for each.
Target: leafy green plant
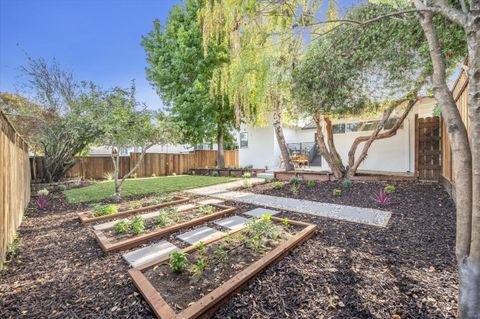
(278, 185)
(248, 167)
(61, 187)
(163, 219)
(267, 180)
(389, 189)
(247, 175)
(193, 172)
(108, 176)
(311, 183)
(221, 254)
(294, 189)
(214, 174)
(247, 183)
(105, 210)
(121, 227)
(337, 192)
(200, 265)
(43, 192)
(285, 222)
(347, 183)
(178, 261)
(293, 181)
(137, 225)
(206, 210)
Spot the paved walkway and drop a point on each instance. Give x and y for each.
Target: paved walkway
(367, 216)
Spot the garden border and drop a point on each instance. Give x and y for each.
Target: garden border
(108, 246)
(87, 220)
(327, 176)
(205, 306)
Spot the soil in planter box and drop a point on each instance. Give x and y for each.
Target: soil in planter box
(151, 225)
(180, 290)
(135, 204)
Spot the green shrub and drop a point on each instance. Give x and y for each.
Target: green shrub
(294, 189)
(43, 192)
(135, 204)
(389, 189)
(248, 167)
(247, 183)
(347, 183)
(104, 210)
(137, 225)
(337, 192)
(121, 227)
(163, 219)
(293, 181)
(267, 180)
(61, 187)
(311, 183)
(247, 175)
(178, 261)
(214, 174)
(194, 172)
(278, 185)
(206, 210)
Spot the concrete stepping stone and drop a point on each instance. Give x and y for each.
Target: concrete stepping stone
(108, 224)
(179, 208)
(201, 234)
(232, 223)
(146, 254)
(210, 201)
(258, 212)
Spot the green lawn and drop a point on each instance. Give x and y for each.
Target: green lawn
(142, 186)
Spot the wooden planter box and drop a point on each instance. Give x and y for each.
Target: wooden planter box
(85, 217)
(208, 304)
(109, 246)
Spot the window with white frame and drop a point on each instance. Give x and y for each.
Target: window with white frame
(243, 140)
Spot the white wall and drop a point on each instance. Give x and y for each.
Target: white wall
(260, 150)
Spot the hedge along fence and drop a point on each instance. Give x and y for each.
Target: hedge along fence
(14, 183)
(158, 164)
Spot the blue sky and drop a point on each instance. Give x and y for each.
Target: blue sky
(98, 40)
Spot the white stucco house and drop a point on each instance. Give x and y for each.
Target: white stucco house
(258, 145)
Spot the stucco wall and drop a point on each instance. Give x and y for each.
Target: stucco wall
(260, 150)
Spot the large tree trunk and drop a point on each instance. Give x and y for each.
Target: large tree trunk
(220, 145)
(469, 270)
(277, 124)
(334, 161)
(331, 145)
(376, 135)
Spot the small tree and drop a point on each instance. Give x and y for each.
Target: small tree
(63, 115)
(125, 123)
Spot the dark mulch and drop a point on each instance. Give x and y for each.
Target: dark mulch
(347, 270)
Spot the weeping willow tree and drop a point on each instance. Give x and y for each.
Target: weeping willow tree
(264, 50)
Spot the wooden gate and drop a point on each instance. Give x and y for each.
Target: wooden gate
(427, 148)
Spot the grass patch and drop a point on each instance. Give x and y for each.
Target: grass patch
(142, 186)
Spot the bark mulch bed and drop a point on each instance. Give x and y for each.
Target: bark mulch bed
(346, 270)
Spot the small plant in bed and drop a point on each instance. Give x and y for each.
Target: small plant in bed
(389, 189)
(293, 181)
(277, 185)
(121, 227)
(337, 192)
(198, 268)
(311, 183)
(61, 187)
(347, 183)
(42, 202)
(163, 219)
(104, 210)
(382, 198)
(206, 210)
(294, 189)
(134, 204)
(43, 192)
(137, 225)
(178, 261)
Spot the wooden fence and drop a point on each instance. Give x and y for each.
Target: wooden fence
(14, 183)
(158, 164)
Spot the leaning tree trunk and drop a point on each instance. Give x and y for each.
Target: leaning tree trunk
(334, 161)
(376, 135)
(331, 145)
(462, 159)
(220, 146)
(277, 125)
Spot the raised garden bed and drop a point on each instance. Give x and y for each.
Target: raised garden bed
(327, 176)
(200, 295)
(226, 172)
(124, 211)
(110, 240)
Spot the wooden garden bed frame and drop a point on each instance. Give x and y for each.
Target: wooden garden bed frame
(208, 304)
(85, 217)
(109, 246)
